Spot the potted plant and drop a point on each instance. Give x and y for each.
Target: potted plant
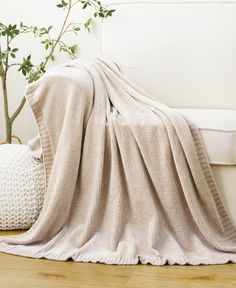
(26, 66)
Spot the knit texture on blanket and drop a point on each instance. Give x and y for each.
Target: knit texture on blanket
(127, 178)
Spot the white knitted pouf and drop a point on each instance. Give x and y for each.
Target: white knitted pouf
(21, 187)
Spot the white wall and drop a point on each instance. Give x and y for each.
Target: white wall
(40, 13)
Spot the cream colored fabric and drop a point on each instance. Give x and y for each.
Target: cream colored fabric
(127, 177)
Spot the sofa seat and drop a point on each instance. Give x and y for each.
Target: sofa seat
(218, 129)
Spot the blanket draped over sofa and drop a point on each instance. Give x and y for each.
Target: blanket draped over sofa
(127, 178)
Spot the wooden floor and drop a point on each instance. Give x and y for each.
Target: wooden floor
(22, 272)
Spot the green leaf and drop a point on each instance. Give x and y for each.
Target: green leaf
(13, 55)
(110, 12)
(63, 4)
(101, 14)
(87, 23)
(73, 49)
(15, 50)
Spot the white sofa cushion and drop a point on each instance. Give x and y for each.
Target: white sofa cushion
(218, 129)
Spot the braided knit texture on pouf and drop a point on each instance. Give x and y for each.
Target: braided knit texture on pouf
(21, 187)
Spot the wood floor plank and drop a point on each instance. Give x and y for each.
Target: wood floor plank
(16, 271)
(217, 276)
(23, 272)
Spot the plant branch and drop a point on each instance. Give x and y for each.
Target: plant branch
(18, 110)
(8, 123)
(59, 36)
(17, 138)
(23, 100)
(76, 2)
(5, 96)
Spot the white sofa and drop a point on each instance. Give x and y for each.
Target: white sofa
(184, 53)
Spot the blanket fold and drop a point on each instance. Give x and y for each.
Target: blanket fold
(127, 178)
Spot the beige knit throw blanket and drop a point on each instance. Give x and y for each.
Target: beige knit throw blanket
(127, 178)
